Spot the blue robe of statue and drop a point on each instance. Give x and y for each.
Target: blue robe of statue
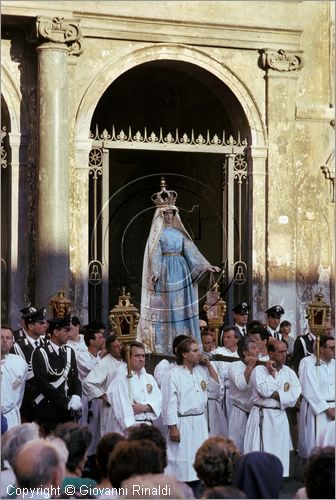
(178, 265)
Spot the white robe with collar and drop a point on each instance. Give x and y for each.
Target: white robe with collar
(318, 390)
(223, 371)
(96, 384)
(241, 400)
(275, 428)
(185, 397)
(123, 391)
(90, 417)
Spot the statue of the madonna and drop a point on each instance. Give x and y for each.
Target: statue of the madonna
(172, 268)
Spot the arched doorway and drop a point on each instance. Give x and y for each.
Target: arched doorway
(165, 96)
(5, 212)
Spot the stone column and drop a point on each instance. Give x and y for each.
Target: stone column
(281, 204)
(258, 156)
(59, 38)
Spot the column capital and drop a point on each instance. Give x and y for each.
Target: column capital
(281, 60)
(57, 30)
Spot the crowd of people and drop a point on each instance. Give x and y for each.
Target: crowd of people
(214, 421)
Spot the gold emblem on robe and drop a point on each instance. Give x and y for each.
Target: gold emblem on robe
(203, 385)
(286, 386)
(16, 384)
(149, 388)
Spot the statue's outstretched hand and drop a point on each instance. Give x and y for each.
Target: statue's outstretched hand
(214, 269)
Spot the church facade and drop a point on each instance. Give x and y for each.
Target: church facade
(231, 102)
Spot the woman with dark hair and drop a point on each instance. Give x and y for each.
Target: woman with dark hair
(131, 458)
(152, 433)
(104, 449)
(319, 475)
(77, 440)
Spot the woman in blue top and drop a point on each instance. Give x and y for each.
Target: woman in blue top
(171, 270)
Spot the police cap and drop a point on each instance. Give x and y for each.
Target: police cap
(241, 308)
(35, 316)
(275, 311)
(59, 323)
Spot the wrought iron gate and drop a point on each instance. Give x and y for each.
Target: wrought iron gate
(235, 204)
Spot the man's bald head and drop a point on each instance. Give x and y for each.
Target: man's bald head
(277, 351)
(38, 463)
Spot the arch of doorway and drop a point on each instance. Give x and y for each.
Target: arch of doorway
(18, 144)
(171, 52)
(257, 151)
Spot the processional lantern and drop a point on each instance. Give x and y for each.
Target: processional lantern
(318, 314)
(124, 319)
(59, 305)
(215, 308)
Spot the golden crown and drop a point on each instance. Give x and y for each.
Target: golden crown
(164, 198)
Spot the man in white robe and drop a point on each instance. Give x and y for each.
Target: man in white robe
(134, 399)
(275, 387)
(318, 389)
(230, 342)
(217, 424)
(96, 383)
(86, 361)
(161, 371)
(241, 391)
(14, 372)
(260, 336)
(76, 339)
(185, 397)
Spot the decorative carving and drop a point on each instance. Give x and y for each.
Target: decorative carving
(95, 163)
(57, 30)
(3, 148)
(282, 60)
(178, 141)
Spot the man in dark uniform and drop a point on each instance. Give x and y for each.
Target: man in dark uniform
(274, 314)
(21, 332)
(56, 378)
(303, 346)
(27, 340)
(240, 318)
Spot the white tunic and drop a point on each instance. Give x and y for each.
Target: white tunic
(90, 409)
(79, 346)
(272, 421)
(14, 372)
(217, 424)
(96, 384)
(184, 402)
(318, 390)
(241, 399)
(123, 391)
(223, 370)
(160, 372)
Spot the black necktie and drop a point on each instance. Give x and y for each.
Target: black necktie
(244, 332)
